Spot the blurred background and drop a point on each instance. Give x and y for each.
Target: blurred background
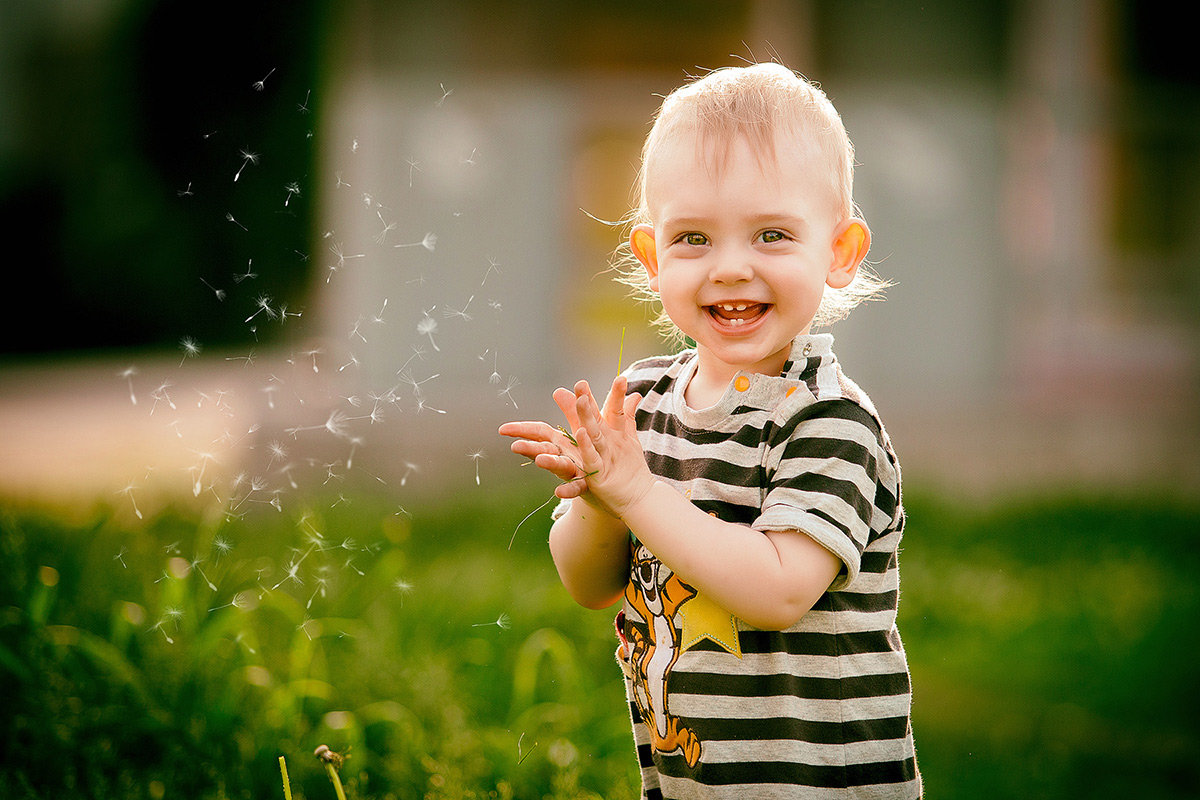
(267, 257)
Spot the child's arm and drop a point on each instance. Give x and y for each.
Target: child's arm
(768, 579)
(589, 545)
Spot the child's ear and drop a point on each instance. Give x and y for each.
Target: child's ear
(641, 242)
(851, 241)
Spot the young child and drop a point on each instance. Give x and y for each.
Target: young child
(742, 497)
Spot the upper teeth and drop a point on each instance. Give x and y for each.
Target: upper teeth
(732, 307)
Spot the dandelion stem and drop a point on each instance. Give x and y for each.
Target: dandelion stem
(287, 787)
(335, 780)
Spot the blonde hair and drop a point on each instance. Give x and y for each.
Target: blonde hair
(755, 102)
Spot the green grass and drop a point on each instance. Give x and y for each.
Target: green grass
(1050, 642)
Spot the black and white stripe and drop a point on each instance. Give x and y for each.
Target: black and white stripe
(821, 709)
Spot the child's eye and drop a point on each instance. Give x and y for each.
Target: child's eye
(694, 239)
(770, 237)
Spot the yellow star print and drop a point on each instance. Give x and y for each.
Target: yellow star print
(704, 619)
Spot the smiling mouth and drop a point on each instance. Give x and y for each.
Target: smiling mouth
(737, 314)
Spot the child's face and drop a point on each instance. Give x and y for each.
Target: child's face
(742, 254)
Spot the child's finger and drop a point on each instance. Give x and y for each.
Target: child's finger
(565, 400)
(615, 402)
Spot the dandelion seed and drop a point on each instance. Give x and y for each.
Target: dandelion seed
(513, 538)
(409, 469)
(492, 267)
(427, 327)
(128, 374)
(190, 349)
(494, 305)
(158, 626)
(313, 354)
(352, 362)
(507, 390)
(247, 275)
(229, 217)
(222, 546)
(412, 165)
(260, 85)
(388, 227)
(303, 107)
(246, 360)
(340, 182)
(445, 93)
(185, 192)
(429, 242)
(220, 293)
(284, 314)
(477, 456)
(121, 557)
(378, 318)
(263, 303)
(160, 394)
(292, 189)
(198, 480)
(450, 312)
(247, 158)
(502, 622)
(278, 451)
(354, 146)
(471, 158)
(196, 567)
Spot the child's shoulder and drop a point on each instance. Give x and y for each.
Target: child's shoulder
(654, 372)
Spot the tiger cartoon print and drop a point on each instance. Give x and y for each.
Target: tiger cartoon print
(655, 593)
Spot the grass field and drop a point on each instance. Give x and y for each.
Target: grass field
(1051, 645)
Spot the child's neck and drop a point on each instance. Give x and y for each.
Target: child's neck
(712, 378)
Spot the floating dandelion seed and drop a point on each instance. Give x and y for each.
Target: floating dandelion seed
(313, 354)
(190, 349)
(471, 158)
(229, 217)
(427, 327)
(445, 93)
(429, 242)
(450, 312)
(263, 304)
(128, 374)
(222, 546)
(513, 538)
(278, 451)
(284, 314)
(260, 85)
(409, 469)
(220, 293)
(412, 166)
(477, 456)
(246, 360)
(303, 107)
(247, 158)
(502, 622)
(507, 390)
(247, 275)
(340, 182)
(387, 227)
(198, 480)
(292, 190)
(354, 146)
(185, 192)
(160, 394)
(492, 267)
(352, 362)
(379, 317)
(195, 565)
(121, 557)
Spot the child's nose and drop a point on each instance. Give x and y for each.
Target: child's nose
(731, 267)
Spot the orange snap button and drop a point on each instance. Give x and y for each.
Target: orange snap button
(742, 383)
(789, 391)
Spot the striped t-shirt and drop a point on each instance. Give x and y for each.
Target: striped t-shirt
(822, 709)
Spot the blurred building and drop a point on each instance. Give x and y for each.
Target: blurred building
(1029, 171)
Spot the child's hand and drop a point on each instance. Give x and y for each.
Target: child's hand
(602, 461)
(614, 470)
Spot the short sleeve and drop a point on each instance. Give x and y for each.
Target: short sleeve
(823, 478)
